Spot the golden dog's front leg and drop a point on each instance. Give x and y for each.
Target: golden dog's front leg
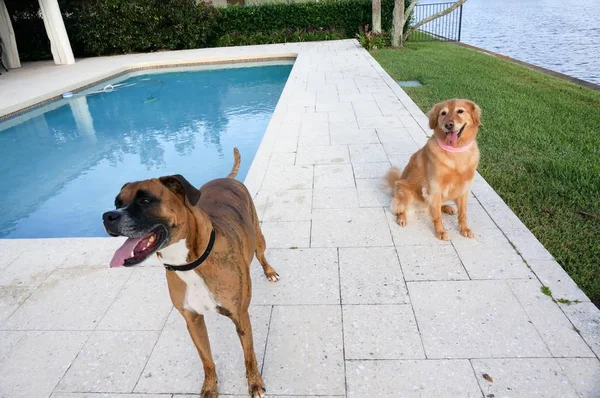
(197, 329)
(461, 203)
(435, 208)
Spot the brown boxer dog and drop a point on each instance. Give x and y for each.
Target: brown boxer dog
(206, 240)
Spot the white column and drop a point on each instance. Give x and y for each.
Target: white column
(83, 117)
(10, 54)
(55, 28)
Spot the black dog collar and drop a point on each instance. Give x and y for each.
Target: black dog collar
(194, 264)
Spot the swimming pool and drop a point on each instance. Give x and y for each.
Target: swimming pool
(62, 164)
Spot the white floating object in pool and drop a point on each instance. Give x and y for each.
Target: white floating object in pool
(68, 94)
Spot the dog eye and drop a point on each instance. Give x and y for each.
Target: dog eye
(144, 201)
(460, 111)
(443, 113)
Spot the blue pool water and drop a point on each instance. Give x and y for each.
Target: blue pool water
(62, 165)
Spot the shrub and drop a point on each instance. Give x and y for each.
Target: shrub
(289, 35)
(104, 27)
(345, 15)
(371, 40)
(124, 26)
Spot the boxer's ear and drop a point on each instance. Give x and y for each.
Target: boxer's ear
(181, 187)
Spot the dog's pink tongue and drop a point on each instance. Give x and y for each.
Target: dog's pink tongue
(124, 252)
(452, 138)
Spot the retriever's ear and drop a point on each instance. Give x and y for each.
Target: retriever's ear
(475, 113)
(433, 115)
(181, 187)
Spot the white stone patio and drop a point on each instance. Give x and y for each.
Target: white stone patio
(364, 307)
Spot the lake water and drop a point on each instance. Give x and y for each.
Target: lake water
(560, 35)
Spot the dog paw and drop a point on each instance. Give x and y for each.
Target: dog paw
(443, 235)
(209, 393)
(401, 220)
(273, 277)
(257, 391)
(467, 233)
(449, 210)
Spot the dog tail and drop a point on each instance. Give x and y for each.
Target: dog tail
(237, 158)
(393, 175)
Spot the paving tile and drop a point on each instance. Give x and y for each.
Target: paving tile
(384, 284)
(586, 318)
(478, 219)
(523, 377)
(473, 319)
(143, 304)
(335, 198)
(106, 395)
(354, 136)
(110, 361)
(380, 122)
(371, 170)
(381, 332)
(7, 255)
(327, 96)
(355, 97)
(284, 235)
(288, 177)
(313, 118)
(392, 108)
(367, 153)
(552, 324)
(405, 148)
(372, 192)
(31, 268)
(175, 366)
(527, 244)
(282, 159)
(349, 228)
(417, 232)
(366, 108)
(409, 121)
(411, 378)
(307, 347)
(285, 144)
(70, 299)
(334, 107)
(490, 256)
(330, 154)
(38, 361)
(8, 341)
(314, 137)
(338, 127)
(551, 274)
(431, 263)
(334, 176)
(308, 276)
(289, 205)
(399, 160)
(342, 116)
(584, 374)
(11, 298)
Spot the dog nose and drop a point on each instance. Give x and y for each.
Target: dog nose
(449, 125)
(110, 217)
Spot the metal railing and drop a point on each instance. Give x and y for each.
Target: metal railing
(445, 28)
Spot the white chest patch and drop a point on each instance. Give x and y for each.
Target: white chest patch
(197, 296)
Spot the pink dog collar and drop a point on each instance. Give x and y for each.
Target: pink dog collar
(454, 149)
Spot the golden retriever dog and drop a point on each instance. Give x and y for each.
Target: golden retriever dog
(443, 170)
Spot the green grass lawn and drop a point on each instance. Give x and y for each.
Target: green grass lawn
(540, 143)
